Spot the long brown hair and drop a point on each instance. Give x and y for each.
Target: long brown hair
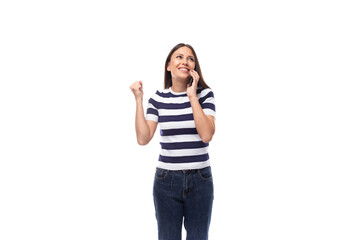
(167, 76)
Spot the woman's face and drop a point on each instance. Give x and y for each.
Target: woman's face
(181, 62)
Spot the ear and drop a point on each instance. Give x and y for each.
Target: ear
(168, 68)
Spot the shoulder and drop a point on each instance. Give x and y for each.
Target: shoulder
(205, 93)
(160, 96)
(163, 93)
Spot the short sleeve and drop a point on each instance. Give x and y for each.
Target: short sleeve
(207, 102)
(151, 111)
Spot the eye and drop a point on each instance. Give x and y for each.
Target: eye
(192, 59)
(178, 57)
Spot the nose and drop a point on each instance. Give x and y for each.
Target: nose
(184, 61)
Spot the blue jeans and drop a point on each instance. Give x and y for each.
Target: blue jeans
(183, 194)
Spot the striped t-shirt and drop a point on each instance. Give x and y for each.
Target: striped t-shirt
(181, 145)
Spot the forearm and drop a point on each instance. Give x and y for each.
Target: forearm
(203, 124)
(141, 127)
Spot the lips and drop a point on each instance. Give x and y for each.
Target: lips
(183, 69)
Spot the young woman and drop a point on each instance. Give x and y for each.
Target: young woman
(185, 112)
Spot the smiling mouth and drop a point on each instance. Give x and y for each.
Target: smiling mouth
(184, 69)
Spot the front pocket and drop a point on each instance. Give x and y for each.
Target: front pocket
(205, 173)
(161, 174)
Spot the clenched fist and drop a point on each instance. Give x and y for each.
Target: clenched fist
(137, 89)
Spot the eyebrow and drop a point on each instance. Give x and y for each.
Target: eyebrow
(183, 55)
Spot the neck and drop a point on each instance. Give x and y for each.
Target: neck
(178, 86)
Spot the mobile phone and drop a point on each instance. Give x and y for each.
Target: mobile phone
(191, 81)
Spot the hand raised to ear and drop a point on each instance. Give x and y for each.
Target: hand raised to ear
(191, 90)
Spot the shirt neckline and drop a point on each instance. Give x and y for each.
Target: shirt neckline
(176, 93)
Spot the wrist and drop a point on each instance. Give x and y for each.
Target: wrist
(193, 98)
(139, 100)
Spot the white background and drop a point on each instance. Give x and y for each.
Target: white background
(285, 156)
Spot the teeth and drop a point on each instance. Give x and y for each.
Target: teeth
(183, 69)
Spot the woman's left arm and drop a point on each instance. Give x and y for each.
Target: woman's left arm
(205, 124)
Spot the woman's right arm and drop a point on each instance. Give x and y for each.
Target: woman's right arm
(145, 129)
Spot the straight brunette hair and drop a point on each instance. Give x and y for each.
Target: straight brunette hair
(167, 76)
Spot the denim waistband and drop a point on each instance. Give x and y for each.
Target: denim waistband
(186, 171)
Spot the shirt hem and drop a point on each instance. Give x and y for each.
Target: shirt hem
(183, 166)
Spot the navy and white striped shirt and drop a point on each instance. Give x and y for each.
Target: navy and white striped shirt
(181, 145)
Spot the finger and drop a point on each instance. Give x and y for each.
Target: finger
(195, 78)
(133, 85)
(136, 88)
(195, 74)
